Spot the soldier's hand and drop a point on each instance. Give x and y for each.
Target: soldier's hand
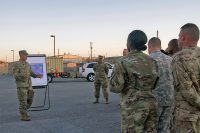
(39, 76)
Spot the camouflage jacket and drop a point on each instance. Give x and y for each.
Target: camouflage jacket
(22, 73)
(101, 70)
(186, 72)
(164, 91)
(134, 77)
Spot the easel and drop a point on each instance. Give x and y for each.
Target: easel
(46, 100)
(38, 66)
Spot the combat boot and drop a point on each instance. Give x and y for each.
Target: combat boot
(25, 117)
(107, 101)
(28, 106)
(97, 101)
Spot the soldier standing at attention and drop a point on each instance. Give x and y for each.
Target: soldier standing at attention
(164, 91)
(22, 73)
(186, 72)
(101, 72)
(134, 77)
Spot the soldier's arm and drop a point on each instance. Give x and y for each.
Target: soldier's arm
(94, 67)
(184, 85)
(116, 83)
(33, 74)
(106, 69)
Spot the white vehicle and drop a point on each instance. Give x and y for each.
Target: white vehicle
(87, 70)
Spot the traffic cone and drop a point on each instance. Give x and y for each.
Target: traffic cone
(56, 72)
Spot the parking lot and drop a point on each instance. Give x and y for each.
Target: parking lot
(71, 111)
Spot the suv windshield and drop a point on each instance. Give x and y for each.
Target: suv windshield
(90, 65)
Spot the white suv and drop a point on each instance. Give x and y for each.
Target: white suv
(87, 70)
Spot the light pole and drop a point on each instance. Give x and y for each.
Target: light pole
(91, 50)
(54, 38)
(13, 54)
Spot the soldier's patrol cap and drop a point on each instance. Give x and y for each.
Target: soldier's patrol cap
(23, 52)
(100, 57)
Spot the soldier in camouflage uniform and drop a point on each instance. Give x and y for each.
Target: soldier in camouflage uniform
(186, 72)
(23, 73)
(172, 47)
(101, 72)
(125, 52)
(164, 91)
(134, 77)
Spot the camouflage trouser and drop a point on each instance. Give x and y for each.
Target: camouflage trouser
(97, 84)
(187, 126)
(25, 96)
(172, 125)
(164, 118)
(141, 120)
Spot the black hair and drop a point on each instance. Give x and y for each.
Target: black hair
(137, 40)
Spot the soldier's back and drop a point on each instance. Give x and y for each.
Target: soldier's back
(186, 69)
(164, 91)
(138, 103)
(142, 69)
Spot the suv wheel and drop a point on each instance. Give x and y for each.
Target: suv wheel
(49, 78)
(90, 77)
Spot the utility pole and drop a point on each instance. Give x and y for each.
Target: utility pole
(91, 50)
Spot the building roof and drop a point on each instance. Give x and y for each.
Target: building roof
(1, 62)
(70, 56)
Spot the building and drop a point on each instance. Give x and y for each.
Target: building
(71, 64)
(3, 67)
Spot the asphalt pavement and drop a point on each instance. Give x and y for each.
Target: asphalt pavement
(71, 109)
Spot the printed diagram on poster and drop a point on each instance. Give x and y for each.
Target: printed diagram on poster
(38, 66)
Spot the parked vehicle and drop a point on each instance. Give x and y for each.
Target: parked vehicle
(86, 70)
(54, 67)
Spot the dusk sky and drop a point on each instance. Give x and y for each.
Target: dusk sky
(28, 24)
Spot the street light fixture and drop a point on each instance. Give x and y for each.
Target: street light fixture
(54, 38)
(13, 54)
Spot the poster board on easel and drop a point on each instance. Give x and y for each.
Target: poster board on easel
(38, 66)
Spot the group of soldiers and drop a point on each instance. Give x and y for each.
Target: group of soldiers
(160, 92)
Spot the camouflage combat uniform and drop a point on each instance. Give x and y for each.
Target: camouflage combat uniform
(134, 77)
(22, 73)
(164, 91)
(186, 72)
(101, 72)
